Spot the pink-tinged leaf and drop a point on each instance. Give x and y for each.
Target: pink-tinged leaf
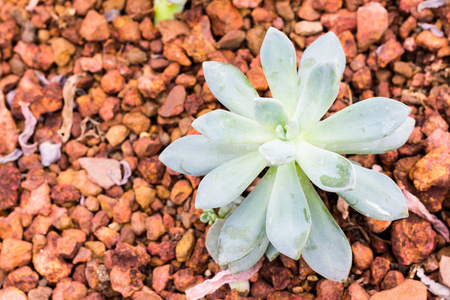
(98, 170)
(30, 124)
(435, 288)
(67, 113)
(32, 5)
(13, 156)
(211, 285)
(127, 173)
(8, 129)
(419, 209)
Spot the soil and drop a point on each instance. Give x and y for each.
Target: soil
(68, 231)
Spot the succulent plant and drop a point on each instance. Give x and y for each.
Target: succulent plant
(166, 9)
(284, 213)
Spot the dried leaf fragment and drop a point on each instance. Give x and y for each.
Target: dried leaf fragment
(30, 124)
(102, 170)
(67, 113)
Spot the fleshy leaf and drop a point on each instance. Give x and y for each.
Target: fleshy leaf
(196, 155)
(226, 182)
(364, 121)
(319, 93)
(245, 228)
(270, 112)
(272, 252)
(331, 172)
(250, 259)
(226, 127)
(327, 251)
(230, 86)
(278, 152)
(324, 48)
(391, 142)
(212, 239)
(288, 222)
(279, 62)
(376, 196)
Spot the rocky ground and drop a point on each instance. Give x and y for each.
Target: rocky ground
(69, 231)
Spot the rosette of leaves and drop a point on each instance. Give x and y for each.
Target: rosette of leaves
(283, 213)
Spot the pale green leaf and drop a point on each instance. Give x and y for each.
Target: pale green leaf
(250, 259)
(326, 47)
(230, 86)
(320, 91)
(226, 127)
(226, 182)
(327, 251)
(272, 252)
(196, 155)
(331, 172)
(376, 196)
(279, 62)
(364, 121)
(245, 228)
(212, 239)
(391, 142)
(288, 221)
(270, 112)
(278, 152)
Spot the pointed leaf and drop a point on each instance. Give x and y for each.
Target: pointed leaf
(230, 86)
(279, 62)
(364, 121)
(278, 152)
(272, 252)
(245, 228)
(226, 182)
(327, 251)
(248, 261)
(376, 196)
(226, 127)
(212, 239)
(288, 221)
(270, 112)
(196, 155)
(391, 142)
(324, 48)
(320, 91)
(331, 172)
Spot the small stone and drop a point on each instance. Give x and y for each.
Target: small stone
(231, 40)
(66, 247)
(185, 246)
(161, 276)
(68, 289)
(174, 52)
(412, 239)
(439, 138)
(307, 11)
(94, 27)
(84, 255)
(355, 292)
(362, 79)
(362, 256)
(429, 41)
(379, 268)
(128, 29)
(432, 170)
(329, 290)
(112, 82)
(174, 104)
(108, 236)
(409, 289)
(376, 15)
(22, 278)
(117, 134)
(349, 44)
(184, 279)
(392, 279)
(151, 169)
(180, 192)
(40, 293)
(284, 10)
(126, 280)
(307, 28)
(62, 50)
(377, 226)
(155, 227)
(390, 51)
(15, 253)
(339, 22)
(200, 43)
(150, 85)
(165, 250)
(12, 293)
(224, 17)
